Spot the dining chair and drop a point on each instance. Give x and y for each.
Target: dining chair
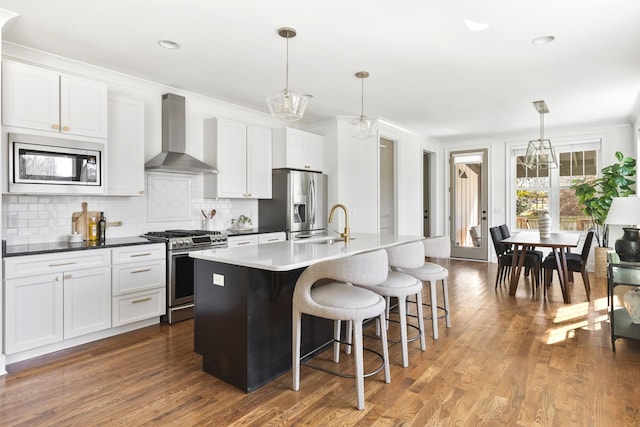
(504, 230)
(505, 260)
(575, 263)
(339, 300)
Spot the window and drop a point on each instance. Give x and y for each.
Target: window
(540, 190)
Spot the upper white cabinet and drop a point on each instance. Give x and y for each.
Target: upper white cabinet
(125, 150)
(242, 156)
(41, 99)
(298, 149)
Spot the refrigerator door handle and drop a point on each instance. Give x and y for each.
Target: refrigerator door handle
(312, 201)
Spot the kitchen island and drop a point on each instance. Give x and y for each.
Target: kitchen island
(243, 298)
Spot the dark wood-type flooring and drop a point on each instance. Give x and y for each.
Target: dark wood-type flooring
(513, 361)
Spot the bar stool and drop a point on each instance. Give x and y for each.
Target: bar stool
(342, 301)
(438, 247)
(401, 285)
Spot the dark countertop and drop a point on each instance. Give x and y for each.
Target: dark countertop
(54, 247)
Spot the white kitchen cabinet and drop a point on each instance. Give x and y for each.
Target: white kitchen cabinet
(46, 100)
(33, 312)
(125, 150)
(242, 156)
(138, 283)
(297, 149)
(280, 236)
(248, 240)
(87, 301)
(53, 297)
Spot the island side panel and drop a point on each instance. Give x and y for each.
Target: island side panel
(220, 321)
(243, 329)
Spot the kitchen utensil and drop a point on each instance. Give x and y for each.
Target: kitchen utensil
(213, 213)
(203, 214)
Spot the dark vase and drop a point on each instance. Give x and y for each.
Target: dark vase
(628, 246)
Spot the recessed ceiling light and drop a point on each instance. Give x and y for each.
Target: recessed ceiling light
(475, 26)
(169, 44)
(543, 40)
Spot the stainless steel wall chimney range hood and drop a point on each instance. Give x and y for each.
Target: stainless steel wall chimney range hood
(173, 157)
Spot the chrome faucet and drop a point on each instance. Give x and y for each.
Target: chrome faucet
(344, 235)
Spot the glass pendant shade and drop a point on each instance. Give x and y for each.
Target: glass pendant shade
(287, 105)
(363, 127)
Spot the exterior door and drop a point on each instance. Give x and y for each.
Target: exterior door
(426, 187)
(468, 204)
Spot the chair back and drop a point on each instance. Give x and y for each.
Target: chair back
(496, 237)
(587, 246)
(504, 230)
(407, 255)
(437, 247)
(369, 268)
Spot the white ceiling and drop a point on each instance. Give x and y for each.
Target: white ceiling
(429, 73)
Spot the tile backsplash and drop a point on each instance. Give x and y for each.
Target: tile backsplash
(47, 218)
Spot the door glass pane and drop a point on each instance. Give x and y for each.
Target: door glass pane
(467, 209)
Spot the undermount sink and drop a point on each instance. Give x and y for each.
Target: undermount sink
(330, 241)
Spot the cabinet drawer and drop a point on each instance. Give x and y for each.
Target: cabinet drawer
(234, 241)
(138, 253)
(138, 276)
(31, 265)
(139, 306)
(272, 237)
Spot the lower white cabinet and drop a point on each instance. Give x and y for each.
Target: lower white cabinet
(62, 296)
(87, 301)
(280, 236)
(138, 283)
(33, 312)
(55, 297)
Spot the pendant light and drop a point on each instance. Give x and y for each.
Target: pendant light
(287, 105)
(363, 127)
(540, 152)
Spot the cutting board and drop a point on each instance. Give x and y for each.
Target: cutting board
(80, 221)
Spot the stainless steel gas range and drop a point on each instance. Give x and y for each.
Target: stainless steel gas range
(180, 283)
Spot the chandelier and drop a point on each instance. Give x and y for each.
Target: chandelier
(540, 152)
(363, 127)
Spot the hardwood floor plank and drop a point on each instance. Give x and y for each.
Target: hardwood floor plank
(513, 361)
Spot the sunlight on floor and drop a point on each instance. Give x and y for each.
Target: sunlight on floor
(588, 316)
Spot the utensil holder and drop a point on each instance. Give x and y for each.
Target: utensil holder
(207, 224)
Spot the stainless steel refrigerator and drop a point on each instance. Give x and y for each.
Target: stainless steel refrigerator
(298, 205)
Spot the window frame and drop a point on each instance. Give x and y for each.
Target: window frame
(519, 148)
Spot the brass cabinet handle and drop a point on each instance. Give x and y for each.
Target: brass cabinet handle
(62, 263)
(141, 271)
(144, 254)
(66, 128)
(243, 243)
(275, 239)
(54, 126)
(68, 276)
(141, 300)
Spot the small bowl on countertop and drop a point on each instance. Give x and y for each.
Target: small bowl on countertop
(76, 238)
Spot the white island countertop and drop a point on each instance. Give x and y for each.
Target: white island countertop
(289, 255)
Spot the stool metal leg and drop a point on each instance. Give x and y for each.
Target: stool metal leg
(445, 294)
(434, 308)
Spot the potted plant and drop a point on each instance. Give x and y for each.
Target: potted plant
(242, 222)
(595, 197)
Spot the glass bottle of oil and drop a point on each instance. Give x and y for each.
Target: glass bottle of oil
(93, 229)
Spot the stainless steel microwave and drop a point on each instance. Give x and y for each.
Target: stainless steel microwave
(54, 165)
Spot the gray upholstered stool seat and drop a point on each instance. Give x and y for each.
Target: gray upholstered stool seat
(401, 285)
(433, 273)
(342, 301)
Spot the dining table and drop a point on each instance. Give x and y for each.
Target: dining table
(559, 242)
